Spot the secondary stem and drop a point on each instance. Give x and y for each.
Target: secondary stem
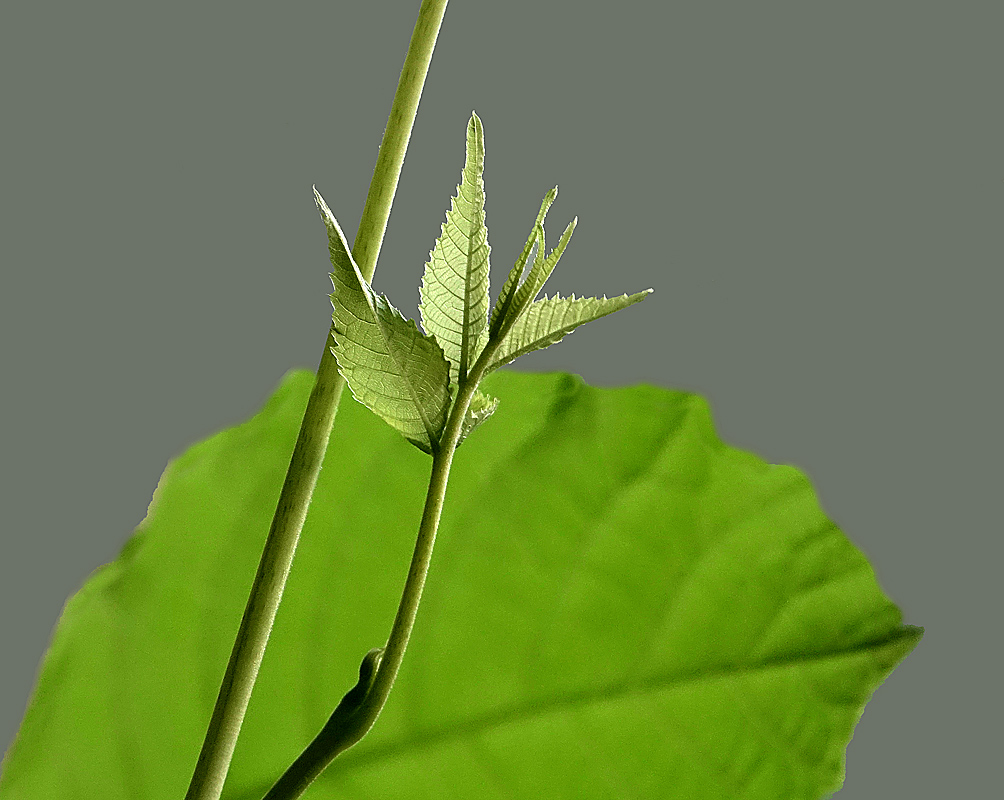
(312, 441)
(404, 621)
(350, 723)
(345, 729)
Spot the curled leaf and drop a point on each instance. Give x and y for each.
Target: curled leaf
(500, 312)
(482, 406)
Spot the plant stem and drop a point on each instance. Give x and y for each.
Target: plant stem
(312, 441)
(348, 725)
(350, 722)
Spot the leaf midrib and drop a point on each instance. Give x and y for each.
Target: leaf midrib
(465, 336)
(606, 694)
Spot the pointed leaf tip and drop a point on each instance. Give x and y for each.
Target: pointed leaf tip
(479, 130)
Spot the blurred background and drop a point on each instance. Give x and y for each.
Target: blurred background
(814, 190)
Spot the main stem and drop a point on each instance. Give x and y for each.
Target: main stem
(315, 430)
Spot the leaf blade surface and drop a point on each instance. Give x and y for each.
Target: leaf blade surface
(388, 364)
(454, 288)
(548, 321)
(619, 605)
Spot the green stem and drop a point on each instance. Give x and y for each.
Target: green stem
(359, 709)
(312, 441)
(350, 722)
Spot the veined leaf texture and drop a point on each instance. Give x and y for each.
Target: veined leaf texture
(454, 287)
(620, 605)
(390, 366)
(411, 379)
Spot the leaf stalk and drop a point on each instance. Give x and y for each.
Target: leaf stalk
(347, 725)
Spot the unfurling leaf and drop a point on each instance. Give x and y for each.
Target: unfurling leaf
(536, 277)
(482, 406)
(389, 365)
(500, 313)
(454, 287)
(411, 379)
(547, 321)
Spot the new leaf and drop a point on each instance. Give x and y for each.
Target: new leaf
(482, 406)
(454, 287)
(388, 364)
(538, 275)
(505, 306)
(547, 321)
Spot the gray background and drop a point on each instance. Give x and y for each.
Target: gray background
(813, 189)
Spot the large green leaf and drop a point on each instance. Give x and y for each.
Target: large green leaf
(619, 606)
